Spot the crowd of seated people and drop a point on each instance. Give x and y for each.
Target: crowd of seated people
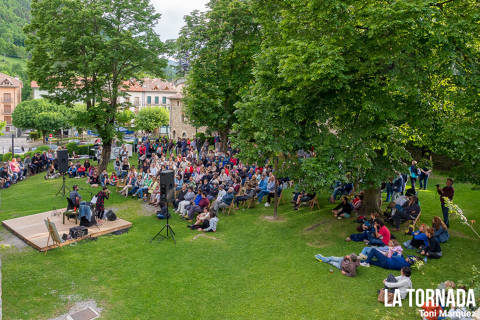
(17, 169)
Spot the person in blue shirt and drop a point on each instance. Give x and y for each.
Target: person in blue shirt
(413, 173)
(263, 186)
(418, 240)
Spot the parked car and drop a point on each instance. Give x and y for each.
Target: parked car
(18, 150)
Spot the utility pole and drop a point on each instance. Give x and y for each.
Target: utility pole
(13, 144)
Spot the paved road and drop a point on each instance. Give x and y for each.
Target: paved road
(6, 143)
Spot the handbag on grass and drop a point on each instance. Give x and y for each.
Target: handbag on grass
(381, 296)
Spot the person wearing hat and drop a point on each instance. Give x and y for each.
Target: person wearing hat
(347, 264)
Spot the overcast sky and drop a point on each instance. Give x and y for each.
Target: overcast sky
(172, 15)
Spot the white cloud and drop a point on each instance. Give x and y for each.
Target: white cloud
(172, 15)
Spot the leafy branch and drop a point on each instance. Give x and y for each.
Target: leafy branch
(457, 212)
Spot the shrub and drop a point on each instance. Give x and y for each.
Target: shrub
(42, 148)
(7, 156)
(72, 147)
(1, 157)
(34, 135)
(83, 149)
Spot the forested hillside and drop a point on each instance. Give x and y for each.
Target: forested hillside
(14, 14)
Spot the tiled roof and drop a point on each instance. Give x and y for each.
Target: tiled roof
(7, 81)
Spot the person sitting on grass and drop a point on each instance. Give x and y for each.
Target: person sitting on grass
(366, 227)
(201, 220)
(72, 170)
(357, 202)
(212, 223)
(343, 210)
(441, 230)
(94, 179)
(104, 180)
(81, 171)
(402, 282)
(419, 239)
(347, 264)
(433, 250)
(409, 211)
(380, 236)
(51, 173)
(377, 258)
(113, 178)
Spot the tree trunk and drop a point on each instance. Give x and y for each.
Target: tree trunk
(223, 140)
(371, 201)
(107, 149)
(275, 198)
(44, 137)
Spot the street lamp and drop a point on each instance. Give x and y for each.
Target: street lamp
(13, 144)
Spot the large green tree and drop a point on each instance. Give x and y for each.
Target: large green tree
(90, 48)
(151, 118)
(354, 82)
(217, 47)
(41, 115)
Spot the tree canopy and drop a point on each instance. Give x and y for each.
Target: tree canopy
(151, 118)
(355, 82)
(218, 46)
(41, 115)
(91, 48)
(14, 14)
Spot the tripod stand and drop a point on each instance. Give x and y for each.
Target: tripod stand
(63, 188)
(169, 233)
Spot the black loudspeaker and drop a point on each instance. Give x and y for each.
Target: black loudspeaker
(62, 158)
(167, 186)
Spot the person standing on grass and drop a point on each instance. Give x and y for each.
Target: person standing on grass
(448, 192)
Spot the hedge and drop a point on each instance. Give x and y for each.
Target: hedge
(7, 156)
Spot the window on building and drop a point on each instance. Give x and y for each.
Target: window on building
(174, 134)
(183, 117)
(157, 100)
(184, 135)
(7, 97)
(7, 108)
(8, 119)
(178, 103)
(149, 100)
(164, 100)
(137, 101)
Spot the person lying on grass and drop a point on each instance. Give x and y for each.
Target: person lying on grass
(347, 264)
(395, 262)
(393, 247)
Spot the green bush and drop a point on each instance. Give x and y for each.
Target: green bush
(7, 156)
(211, 140)
(72, 147)
(83, 149)
(201, 136)
(34, 135)
(42, 148)
(1, 157)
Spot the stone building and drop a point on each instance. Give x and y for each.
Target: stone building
(10, 97)
(152, 92)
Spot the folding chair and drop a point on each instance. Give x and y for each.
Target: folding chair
(71, 211)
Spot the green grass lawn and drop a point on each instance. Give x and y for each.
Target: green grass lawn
(255, 270)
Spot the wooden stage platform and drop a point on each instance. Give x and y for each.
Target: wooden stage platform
(33, 231)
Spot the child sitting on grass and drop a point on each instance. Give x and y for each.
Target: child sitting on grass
(347, 264)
